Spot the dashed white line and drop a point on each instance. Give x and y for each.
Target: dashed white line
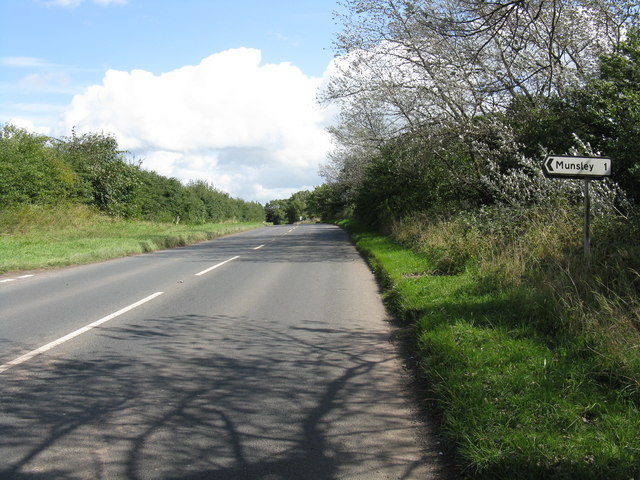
(80, 331)
(216, 266)
(258, 247)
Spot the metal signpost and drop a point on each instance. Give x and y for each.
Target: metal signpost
(585, 168)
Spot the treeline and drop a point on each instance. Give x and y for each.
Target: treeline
(300, 206)
(454, 111)
(323, 203)
(90, 169)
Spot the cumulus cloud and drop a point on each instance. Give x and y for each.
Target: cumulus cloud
(253, 130)
(28, 125)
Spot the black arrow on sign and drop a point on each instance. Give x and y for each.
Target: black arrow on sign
(548, 164)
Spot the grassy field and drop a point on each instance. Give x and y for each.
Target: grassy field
(34, 237)
(518, 399)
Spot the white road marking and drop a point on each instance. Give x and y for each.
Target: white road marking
(7, 280)
(80, 331)
(258, 247)
(216, 266)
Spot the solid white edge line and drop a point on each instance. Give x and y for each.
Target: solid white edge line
(61, 340)
(7, 280)
(216, 266)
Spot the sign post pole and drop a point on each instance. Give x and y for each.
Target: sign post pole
(587, 222)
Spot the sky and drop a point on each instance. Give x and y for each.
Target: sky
(217, 90)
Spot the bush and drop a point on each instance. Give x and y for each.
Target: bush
(91, 170)
(32, 170)
(540, 249)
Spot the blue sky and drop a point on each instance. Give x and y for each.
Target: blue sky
(198, 89)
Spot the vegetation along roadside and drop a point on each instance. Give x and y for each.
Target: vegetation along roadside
(447, 112)
(528, 388)
(36, 237)
(81, 199)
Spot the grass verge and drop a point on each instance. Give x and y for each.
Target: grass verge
(33, 237)
(516, 402)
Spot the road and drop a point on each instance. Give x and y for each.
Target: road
(263, 355)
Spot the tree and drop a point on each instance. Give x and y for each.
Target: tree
(289, 210)
(297, 206)
(440, 74)
(31, 169)
(161, 198)
(326, 202)
(107, 180)
(276, 211)
(605, 113)
(410, 64)
(611, 104)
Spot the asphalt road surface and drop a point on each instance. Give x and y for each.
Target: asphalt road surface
(263, 355)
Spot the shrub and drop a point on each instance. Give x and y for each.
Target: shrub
(32, 170)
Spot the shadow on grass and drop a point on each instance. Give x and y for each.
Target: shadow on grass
(517, 399)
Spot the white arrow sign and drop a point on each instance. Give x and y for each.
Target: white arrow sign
(576, 167)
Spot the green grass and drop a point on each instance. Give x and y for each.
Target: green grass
(516, 401)
(46, 237)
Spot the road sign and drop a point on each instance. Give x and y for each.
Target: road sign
(585, 168)
(576, 167)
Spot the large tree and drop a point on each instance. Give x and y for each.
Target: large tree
(408, 63)
(443, 72)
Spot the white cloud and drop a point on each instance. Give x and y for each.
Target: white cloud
(25, 62)
(52, 81)
(253, 130)
(28, 125)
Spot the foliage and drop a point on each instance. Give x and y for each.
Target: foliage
(605, 113)
(276, 212)
(163, 198)
(45, 236)
(325, 202)
(106, 180)
(412, 64)
(31, 170)
(444, 106)
(528, 387)
(90, 169)
(291, 210)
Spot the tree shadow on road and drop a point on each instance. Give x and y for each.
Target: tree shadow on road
(213, 397)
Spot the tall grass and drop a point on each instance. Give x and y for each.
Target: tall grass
(34, 237)
(594, 301)
(533, 353)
